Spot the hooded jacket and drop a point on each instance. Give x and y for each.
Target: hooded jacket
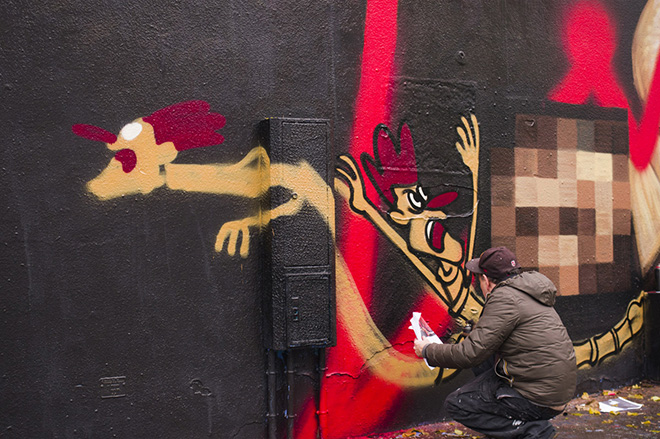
(519, 324)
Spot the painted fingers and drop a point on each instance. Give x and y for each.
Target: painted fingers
(231, 232)
(468, 147)
(349, 183)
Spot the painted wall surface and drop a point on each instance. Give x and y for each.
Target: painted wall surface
(136, 180)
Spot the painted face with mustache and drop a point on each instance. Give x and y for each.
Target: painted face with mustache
(423, 212)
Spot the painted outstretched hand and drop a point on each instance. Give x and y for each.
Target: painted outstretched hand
(230, 232)
(468, 147)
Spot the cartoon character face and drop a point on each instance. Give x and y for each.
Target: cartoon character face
(422, 212)
(136, 165)
(146, 144)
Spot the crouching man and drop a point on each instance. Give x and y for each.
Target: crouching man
(534, 374)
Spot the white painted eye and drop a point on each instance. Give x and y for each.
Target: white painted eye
(131, 131)
(414, 202)
(420, 191)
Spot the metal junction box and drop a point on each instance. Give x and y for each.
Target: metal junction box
(300, 306)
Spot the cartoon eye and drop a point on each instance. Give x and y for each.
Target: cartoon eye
(415, 202)
(424, 195)
(131, 131)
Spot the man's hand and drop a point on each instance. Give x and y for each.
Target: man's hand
(420, 345)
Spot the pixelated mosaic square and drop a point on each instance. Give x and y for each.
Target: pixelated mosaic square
(560, 199)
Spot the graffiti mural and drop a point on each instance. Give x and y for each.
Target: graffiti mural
(456, 126)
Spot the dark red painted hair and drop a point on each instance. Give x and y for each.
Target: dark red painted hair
(188, 125)
(393, 163)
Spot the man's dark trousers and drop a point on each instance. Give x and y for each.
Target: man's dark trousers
(490, 406)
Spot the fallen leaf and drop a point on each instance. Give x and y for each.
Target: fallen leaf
(585, 395)
(654, 431)
(607, 421)
(636, 396)
(633, 414)
(458, 432)
(594, 411)
(646, 422)
(655, 398)
(577, 414)
(635, 386)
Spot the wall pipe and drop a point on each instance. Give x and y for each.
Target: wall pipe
(322, 411)
(290, 375)
(272, 397)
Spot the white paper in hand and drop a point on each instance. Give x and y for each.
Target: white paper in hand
(423, 331)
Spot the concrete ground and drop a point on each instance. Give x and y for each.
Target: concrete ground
(582, 419)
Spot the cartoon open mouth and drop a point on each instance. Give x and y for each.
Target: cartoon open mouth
(435, 233)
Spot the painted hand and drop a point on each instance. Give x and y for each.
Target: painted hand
(468, 147)
(420, 345)
(231, 231)
(347, 170)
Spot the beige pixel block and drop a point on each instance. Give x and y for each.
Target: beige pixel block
(585, 162)
(503, 221)
(527, 251)
(621, 195)
(604, 222)
(569, 280)
(566, 134)
(501, 190)
(526, 162)
(586, 191)
(547, 192)
(604, 195)
(566, 164)
(602, 166)
(568, 193)
(548, 251)
(604, 249)
(568, 250)
(526, 192)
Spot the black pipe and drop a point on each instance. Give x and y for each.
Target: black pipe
(321, 411)
(272, 398)
(290, 415)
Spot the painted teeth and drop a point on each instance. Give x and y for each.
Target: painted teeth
(429, 230)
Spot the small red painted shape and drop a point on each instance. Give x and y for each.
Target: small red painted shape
(442, 200)
(590, 42)
(92, 132)
(127, 158)
(643, 137)
(188, 125)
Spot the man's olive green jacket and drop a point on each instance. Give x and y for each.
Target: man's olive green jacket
(519, 324)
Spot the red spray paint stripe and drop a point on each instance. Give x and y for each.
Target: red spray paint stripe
(371, 108)
(357, 404)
